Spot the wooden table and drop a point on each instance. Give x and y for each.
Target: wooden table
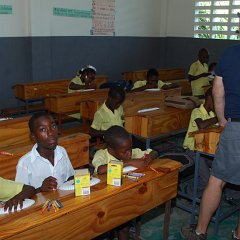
(166, 121)
(107, 207)
(29, 92)
(70, 103)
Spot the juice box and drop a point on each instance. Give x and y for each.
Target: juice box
(82, 182)
(114, 173)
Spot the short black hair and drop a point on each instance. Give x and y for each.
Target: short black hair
(152, 72)
(114, 135)
(117, 93)
(202, 50)
(88, 70)
(35, 117)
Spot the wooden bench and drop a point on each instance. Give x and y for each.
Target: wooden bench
(76, 145)
(28, 92)
(173, 75)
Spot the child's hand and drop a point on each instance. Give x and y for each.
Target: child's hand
(205, 74)
(49, 184)
(27, 192)
(147, 158)
(151, 85)
(140, 163)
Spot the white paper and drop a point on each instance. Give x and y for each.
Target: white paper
(129, 169)
(148, 109)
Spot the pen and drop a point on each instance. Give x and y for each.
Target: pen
(132, 179)
(154, 170)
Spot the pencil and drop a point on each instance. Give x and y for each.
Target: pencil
(154, 170)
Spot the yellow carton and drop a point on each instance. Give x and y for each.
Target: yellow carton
(114, 173)
(82, 182)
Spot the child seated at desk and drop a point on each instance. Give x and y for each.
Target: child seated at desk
(198, 73)
(13, 193)
(119, 147)
(152, 81)
(201, 118)
(83, 80)
(109, 114)
(47, 165)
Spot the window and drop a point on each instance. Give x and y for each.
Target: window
(217, 19)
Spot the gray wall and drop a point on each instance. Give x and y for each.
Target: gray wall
(47, 58)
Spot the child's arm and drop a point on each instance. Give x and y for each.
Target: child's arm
(102, 169)
(49, 184)
(203, 124)
(170, 86)
(96, 133)
(27, 192)
(193, 78)
(74, 86)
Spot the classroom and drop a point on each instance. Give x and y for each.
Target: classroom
(43, 46)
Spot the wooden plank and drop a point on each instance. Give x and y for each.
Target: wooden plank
(14, 132)
(37, 90)
(67, 103)
(158, 122)
(76, 145)
(164, 74)
(89, 216)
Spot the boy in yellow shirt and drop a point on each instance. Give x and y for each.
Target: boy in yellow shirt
(109, 114)
(119, 147)
(13, 193)
(152, 81)
(201, 118)
(198, 73)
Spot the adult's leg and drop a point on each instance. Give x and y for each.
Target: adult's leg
(237, 231)
(210, 201)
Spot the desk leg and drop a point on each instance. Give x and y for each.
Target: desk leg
(148, 141)
(195, 187)
(166, 220)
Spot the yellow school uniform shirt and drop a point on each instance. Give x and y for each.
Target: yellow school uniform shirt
(76, 80)
(142, 83)
(9, 189)
(103, 157)
(197, 86)
(104, 118)
(202, 113)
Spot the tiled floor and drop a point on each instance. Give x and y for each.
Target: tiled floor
(152, 223)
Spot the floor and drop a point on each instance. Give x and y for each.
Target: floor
(152, 223)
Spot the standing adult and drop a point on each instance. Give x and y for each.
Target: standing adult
(226, 164)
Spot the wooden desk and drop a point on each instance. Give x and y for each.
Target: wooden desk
(133, 102)
(155, 124)
(70, 103)
(28, 92)
(14, 132)
(76, 145)
(164, 74)
(107, 207)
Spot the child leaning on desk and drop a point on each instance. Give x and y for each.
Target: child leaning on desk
(119, 147)
(13, 194)
(83, 80)
(152, 81)
(47, 165)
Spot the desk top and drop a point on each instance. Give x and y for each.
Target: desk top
(89, 216)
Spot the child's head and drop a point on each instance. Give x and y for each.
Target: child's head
(212, 66)
(119, 142)
(209, 100)
(203, 55)
(116, 97)
(88, 74)
(152, 75)
(43, 130)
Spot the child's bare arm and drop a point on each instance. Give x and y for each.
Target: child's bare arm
(102, 169)
(203, 124)
(27, 192)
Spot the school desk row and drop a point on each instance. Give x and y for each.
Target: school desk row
(107, 207)
(28, 92)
